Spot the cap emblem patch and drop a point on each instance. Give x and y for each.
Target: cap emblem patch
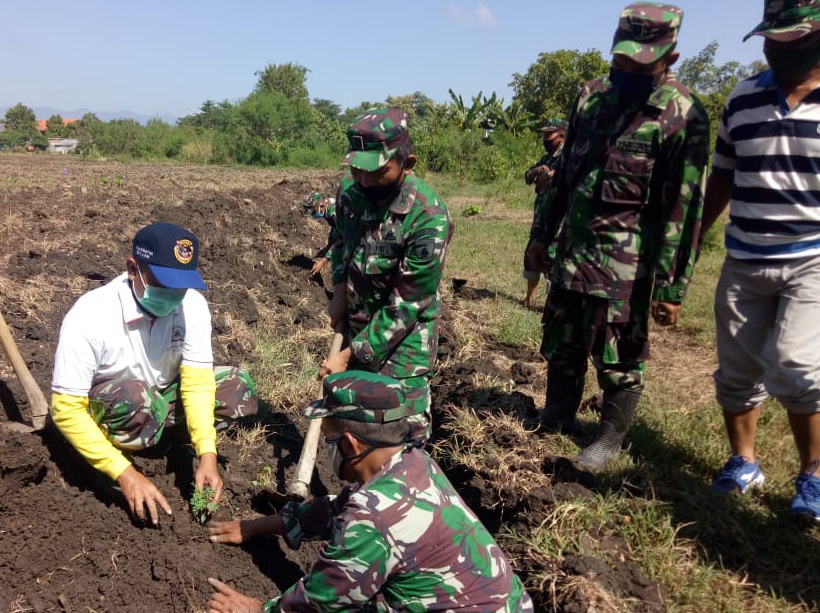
(184, 251)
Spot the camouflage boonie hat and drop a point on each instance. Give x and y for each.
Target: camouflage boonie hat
(360, 395)
(553, 124)
(374, 138)
(788, 20)
(647, 31)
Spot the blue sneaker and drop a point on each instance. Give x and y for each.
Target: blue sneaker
(738, 474)
(807, 501)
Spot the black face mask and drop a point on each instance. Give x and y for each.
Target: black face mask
(549, 147)
(631, 84)
(378, 194)
(791, 64)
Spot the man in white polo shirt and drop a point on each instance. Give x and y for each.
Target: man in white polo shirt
(134, 359)
(767, 168)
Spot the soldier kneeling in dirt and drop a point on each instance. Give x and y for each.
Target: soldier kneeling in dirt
(402, 539)
(134, 359)
(322, 207)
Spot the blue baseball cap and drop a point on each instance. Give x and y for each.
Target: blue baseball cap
(172, 254)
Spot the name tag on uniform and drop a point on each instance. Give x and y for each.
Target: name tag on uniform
(387, 250)
(634, 146)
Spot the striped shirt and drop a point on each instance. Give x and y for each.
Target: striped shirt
(774, 151)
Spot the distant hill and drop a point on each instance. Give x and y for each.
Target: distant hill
(44, 112)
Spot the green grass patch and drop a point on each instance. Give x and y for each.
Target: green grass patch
(513, 194)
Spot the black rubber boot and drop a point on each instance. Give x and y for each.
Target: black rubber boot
(616, 417)
(563, 399)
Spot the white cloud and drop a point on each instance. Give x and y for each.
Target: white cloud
(480, 13)
(485, 15)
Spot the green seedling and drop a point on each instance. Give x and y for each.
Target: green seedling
(265, 478)
(203, 505)
(118, 181)
(104, 180)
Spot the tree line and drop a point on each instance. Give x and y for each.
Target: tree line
(277, 124)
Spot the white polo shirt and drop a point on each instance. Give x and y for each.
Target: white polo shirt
(106, 336)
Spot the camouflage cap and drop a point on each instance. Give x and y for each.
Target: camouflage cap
(374, 138)
(647, 31)
(788, 20)
(554, 123)
(360, 395)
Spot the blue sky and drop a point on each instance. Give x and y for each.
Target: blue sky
(167, 57)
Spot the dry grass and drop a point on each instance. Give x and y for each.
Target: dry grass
(239, 332)
(20, 605)
(249, 440)
(285, 369)
(585, 592)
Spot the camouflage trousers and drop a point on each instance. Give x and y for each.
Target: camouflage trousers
(613, 333)
(134, 416)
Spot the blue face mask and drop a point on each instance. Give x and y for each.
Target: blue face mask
(318, 215)
(631, 84)
(159, 301)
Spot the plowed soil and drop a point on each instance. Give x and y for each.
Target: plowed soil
(66, 543)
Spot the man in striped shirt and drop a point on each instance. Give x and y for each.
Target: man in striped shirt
(767, 169)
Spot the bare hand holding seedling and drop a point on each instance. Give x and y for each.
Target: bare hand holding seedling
(207, 475)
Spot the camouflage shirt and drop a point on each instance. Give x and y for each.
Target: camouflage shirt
(627, 196)
(392, 260)
(332, 237)
(403, 541)
(550, 160)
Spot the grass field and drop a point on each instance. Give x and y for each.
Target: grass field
(712, 553)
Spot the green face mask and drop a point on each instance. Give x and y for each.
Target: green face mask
(159, 301)
(791, 64)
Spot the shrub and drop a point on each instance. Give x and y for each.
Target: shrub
(471, 210)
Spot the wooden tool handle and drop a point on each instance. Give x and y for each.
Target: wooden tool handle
(298, 489)
(36, 400)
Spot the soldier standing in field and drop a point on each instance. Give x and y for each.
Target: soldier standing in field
(627, 199)
(401, 539)
(553, 132)
(392, 237)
